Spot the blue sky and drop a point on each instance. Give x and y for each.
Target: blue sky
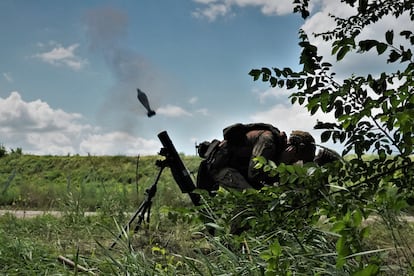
(69, 71)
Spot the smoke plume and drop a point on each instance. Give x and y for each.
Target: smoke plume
(107, 30)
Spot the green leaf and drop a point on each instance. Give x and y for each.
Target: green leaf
(342, 52)
(362, 6)
(290, 169)
(273, 81)
(290, 83)
(293, 178)
(394, 56)
(406, 34)
(267, 168)
(314, 109)
(277, 72)
(407, 55)
(366, 45)
(357, 217)
(276, 249)
(325, 136)
(342, 247)
(381, 47)
(369, 270)
(338, 226)
(266, 71)
(255, 73)
(339, 110)
(389, 36)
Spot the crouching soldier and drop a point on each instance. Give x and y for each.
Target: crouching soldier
(230, 163)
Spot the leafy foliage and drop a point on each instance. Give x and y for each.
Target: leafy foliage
(374, 115)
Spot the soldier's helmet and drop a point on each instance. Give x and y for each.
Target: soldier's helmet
(202, 148)
(304, 144)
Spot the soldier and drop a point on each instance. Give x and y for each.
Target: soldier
(230, 163)
(301, 147)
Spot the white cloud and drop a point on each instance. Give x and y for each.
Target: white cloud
(61, 56)
(172, 111)
(353, 63)
(271, 93)
(115, 143)
(288, 118)
(203, 111)
(39, 129)
(36, 115)
(212, 9)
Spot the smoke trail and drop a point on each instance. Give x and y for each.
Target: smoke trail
(107, 32)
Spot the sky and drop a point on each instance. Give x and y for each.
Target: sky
(69, 71)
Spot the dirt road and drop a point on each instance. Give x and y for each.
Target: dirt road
(31, 214)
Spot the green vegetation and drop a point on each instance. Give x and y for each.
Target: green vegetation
(280, 234)
(316, 221)
(50, 182)
(373, 114)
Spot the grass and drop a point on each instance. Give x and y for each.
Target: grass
(32, 246)
(167, 246)
(46, 182)
(113, 186)
(173, 243)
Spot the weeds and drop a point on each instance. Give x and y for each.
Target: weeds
(177, 240)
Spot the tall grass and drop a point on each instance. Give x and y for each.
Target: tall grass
(176, 241)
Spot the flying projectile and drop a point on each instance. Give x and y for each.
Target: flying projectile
(144, 101)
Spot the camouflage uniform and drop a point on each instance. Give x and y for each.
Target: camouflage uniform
(230, 163)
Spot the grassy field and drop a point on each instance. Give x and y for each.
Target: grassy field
(113, 187)
(89, 182)
(174, 242)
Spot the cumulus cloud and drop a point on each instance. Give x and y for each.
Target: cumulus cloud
(116, 143)
(271, 93)
(172, 111)
(61, 56)
(34, 116)
(38, 128)
(288, 118)
(212, 9)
